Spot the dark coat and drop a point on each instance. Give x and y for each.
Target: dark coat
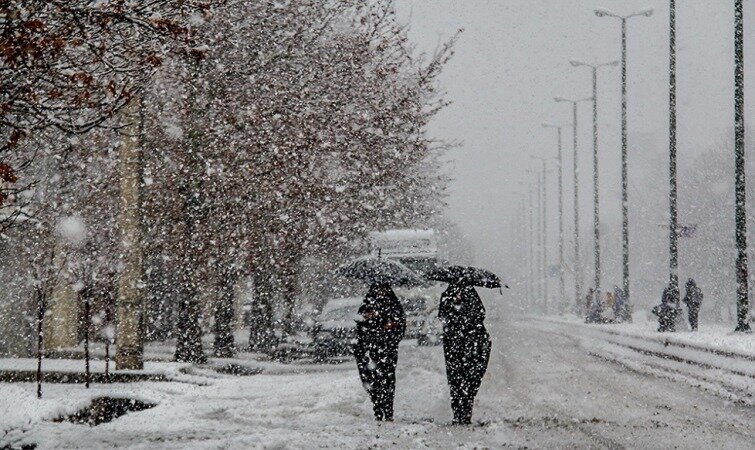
(382, 317)
(461, 310)
(380, 329)
(694, 296)
(668, 309)
(466, 346)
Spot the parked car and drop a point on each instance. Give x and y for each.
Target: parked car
(416, 315)
(421, 319)
(335, 328)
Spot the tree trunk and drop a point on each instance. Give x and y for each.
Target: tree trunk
(261, 333)
(188, 328)
(224, 344)
(41, 307)
(130, 303)
(189, 335)
(189, 331)
(290, 292)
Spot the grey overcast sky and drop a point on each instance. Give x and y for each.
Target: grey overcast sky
(513, 58)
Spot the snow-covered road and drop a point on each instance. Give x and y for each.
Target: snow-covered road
(543, 390)
(564, 397)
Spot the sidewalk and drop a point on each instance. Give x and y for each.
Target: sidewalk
(717, 338)
(714, 359)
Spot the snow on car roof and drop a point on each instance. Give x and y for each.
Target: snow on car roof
(338, 303)
(404, 243)
(401, 234)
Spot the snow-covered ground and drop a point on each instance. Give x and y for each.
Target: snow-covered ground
(545, 388)
(710, 336)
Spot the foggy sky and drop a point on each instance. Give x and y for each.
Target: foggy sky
(513, 58)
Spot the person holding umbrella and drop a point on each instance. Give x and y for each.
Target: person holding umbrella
(380, 328)
(466, 342)
(379, 331)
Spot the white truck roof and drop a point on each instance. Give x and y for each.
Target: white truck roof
(404, 243)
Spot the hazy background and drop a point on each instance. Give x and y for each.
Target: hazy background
(513, 58)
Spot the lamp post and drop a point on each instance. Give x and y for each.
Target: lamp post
(740, 213)
(534, 240)
(520, 238)
(523, 242)
(577, 268)
(544, 216)
(541, 284)
(595, 189)
(562, 288)
(673, 236)
(530, 240)
(624, 197)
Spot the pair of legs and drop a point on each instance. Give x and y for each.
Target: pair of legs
(377, 362)
(467, 357)
(693, 312)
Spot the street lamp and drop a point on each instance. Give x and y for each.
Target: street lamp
(544, 217)
(534, 289)
(526, 239)
(562, 288)
(519, 239)
(522, 239)
(601, 12)
(577, 269)
(673, 236)
(595, 190)
(740, 213)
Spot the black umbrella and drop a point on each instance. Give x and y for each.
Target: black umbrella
(466, 275)
(380, 270)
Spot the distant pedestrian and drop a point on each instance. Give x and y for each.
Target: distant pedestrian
(466, 346)
(594, 307)
(589, 297)
(693, 299)
(621, 306)
(611, 303)
(668, 309)
(379, 330)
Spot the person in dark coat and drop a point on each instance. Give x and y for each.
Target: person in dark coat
(595, 307)
(466, 346)
(668, 309)
(693, 299)
(621, 306)
(589, 298)
(617, 306)
(379, 330)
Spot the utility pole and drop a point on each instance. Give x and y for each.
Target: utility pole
(577, 265)
(624, 194)
(525, 248)
(595, 208)
(544, 230)
(519, 237)
(540, 242)
(673, 236)
(535, 217)
(545, 240)
(740, 214)
(531, 262)
(561, 267)
(528, 239)
(595, 185)
(624, 176)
